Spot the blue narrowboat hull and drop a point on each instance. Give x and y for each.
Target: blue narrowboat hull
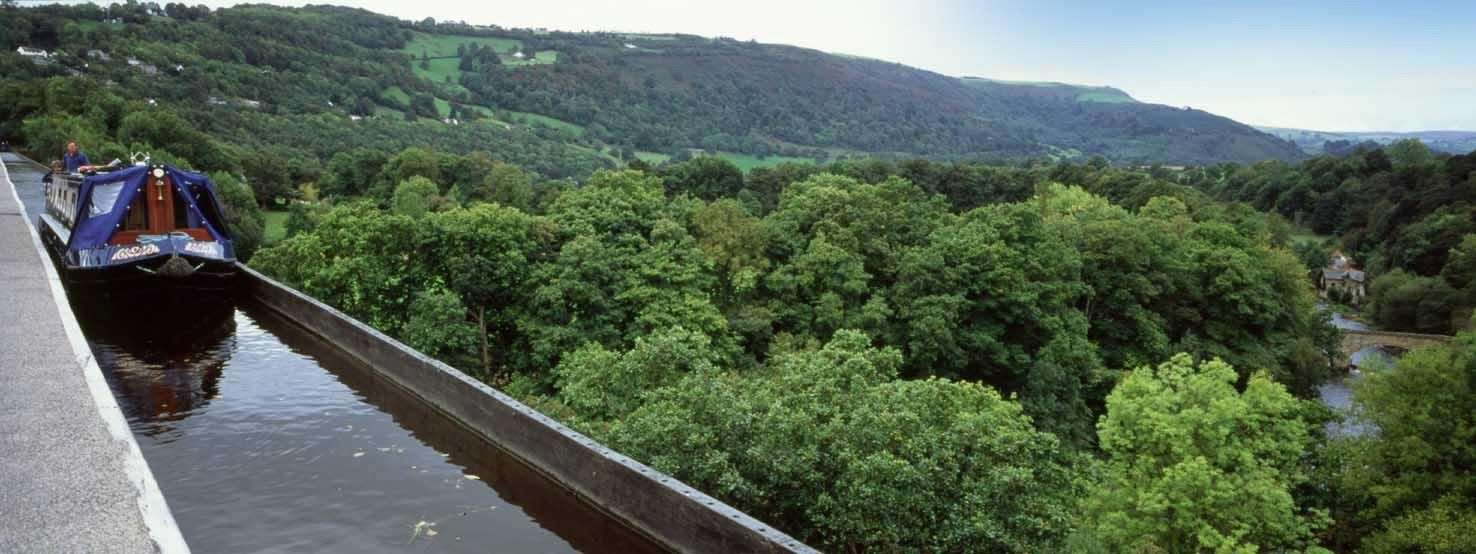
(165, 266)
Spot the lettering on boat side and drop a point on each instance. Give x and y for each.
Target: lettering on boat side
(204, 248)
(135, 252)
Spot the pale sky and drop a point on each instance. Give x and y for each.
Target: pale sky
(1324, 65)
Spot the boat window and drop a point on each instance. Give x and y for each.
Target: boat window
(137, 218)
(103, 198)
(181, 215)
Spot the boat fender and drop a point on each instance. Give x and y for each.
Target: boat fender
(175, 266)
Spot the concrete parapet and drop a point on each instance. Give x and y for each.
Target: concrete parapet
(665, 509)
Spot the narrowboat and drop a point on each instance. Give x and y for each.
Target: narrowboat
(137, 228)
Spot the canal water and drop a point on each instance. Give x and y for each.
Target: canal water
(264, 438)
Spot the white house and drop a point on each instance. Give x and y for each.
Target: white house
(147, 68)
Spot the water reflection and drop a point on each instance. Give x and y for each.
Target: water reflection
(164, 362)
(265, 438)
(552, 507)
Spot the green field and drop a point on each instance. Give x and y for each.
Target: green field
(1303, 235)
(276, 226)
(444, 63)
(529, 118)
(445, 45)
(747, 162)
(652, 158)
(744, 162)
(440, 69)
(398, 94)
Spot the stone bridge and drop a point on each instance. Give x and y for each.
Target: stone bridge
(1353, 341)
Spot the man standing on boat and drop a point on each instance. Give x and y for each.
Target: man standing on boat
(74, 159)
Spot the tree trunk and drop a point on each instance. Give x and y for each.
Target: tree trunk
(486, 349)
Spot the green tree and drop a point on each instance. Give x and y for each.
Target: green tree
(352, 172)
(372, 280)
(410, 162)
(1410, 153)
(625, 267)
(505, 184)
(303, 217)
(735, 243)
(603, 385)
(1193, 465)
(1419, 468)
(1313, 255)
(706, 177)
(1448, 526)
(1460, 268)
(424, 105)
(836, 246)
(828, 446)
(414, 197)
(485, 255)
(242, 214)
(1404, 302)
(437, 326)
(992, 298)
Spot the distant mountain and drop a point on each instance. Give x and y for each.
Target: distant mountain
(1086, 120)
(288, 80)
(664, 92)
(1314, 142)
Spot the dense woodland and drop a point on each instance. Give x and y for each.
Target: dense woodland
(1403, 212)
(917, 355)
(871, 354)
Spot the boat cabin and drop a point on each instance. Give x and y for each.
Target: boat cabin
(149, 219)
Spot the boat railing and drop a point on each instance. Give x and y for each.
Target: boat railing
(61, 196)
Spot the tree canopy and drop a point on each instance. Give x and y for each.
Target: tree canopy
(1194, 465)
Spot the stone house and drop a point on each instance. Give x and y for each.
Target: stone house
(1339, 275)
